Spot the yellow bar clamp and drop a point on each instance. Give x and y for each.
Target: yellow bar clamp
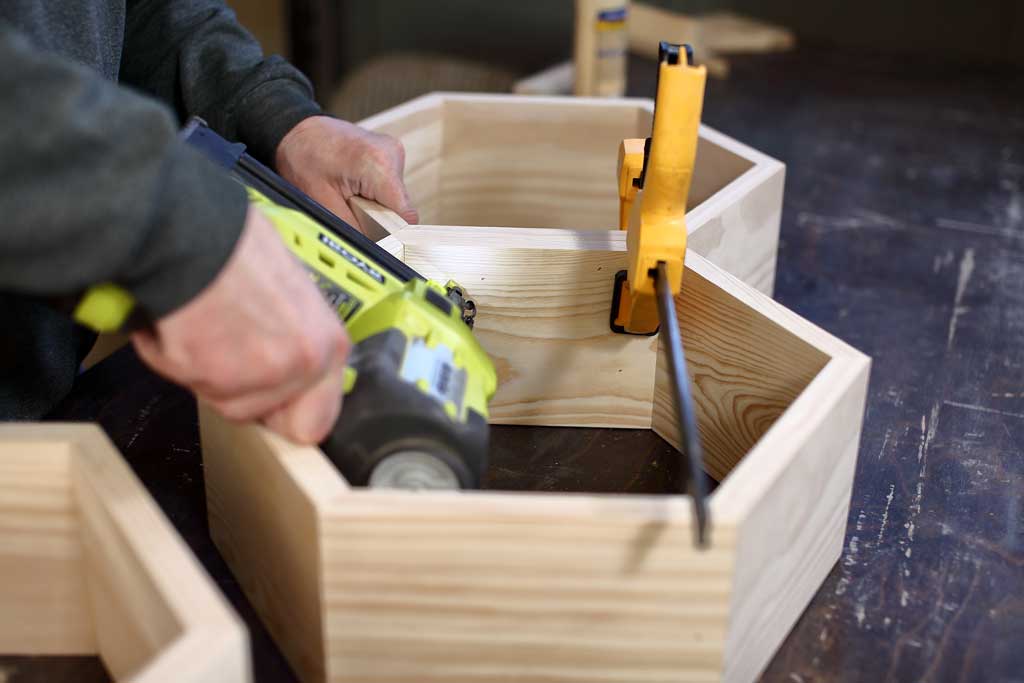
(656, 175)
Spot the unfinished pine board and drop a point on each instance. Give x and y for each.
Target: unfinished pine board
(550, 162)
(558, 363)
(742, 391)
(90, 566)
(382, 587)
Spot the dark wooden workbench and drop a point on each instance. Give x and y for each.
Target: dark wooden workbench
(903, 234)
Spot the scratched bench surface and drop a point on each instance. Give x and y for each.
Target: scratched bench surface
(902, 233)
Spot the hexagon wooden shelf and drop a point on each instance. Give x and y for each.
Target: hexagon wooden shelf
(91, 566)
(458, 587)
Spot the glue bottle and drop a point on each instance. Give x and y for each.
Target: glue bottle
(601, 46)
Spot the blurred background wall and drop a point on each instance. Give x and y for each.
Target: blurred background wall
(533, 33)
(485, 45)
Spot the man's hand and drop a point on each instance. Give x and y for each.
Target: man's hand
(333, 160)
(259, 343)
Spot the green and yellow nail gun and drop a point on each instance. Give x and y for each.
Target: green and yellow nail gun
(418, 383)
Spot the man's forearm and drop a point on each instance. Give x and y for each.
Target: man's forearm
(194, 53)
(95, 186)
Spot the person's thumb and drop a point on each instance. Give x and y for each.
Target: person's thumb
(390, 191)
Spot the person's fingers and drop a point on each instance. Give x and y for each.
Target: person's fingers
(406, 210)
(334, 201)
(282, 363)
(249, 360)
(246, 397)
(280, 388)
(389, 190)
(309, 417)
(255, 404)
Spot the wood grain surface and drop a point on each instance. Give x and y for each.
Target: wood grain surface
(543, 298)
(745, 370)
(44, 607)
(535, 162)
(510, 587)
(283, 522)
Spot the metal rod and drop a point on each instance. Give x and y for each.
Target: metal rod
(692, 472)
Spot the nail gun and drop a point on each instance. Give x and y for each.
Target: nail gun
(418, 383)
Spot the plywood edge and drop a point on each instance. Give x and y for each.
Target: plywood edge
(147, 587)
(376, 220)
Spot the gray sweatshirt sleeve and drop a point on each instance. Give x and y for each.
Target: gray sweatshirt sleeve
(195, 54)
(95, 186)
